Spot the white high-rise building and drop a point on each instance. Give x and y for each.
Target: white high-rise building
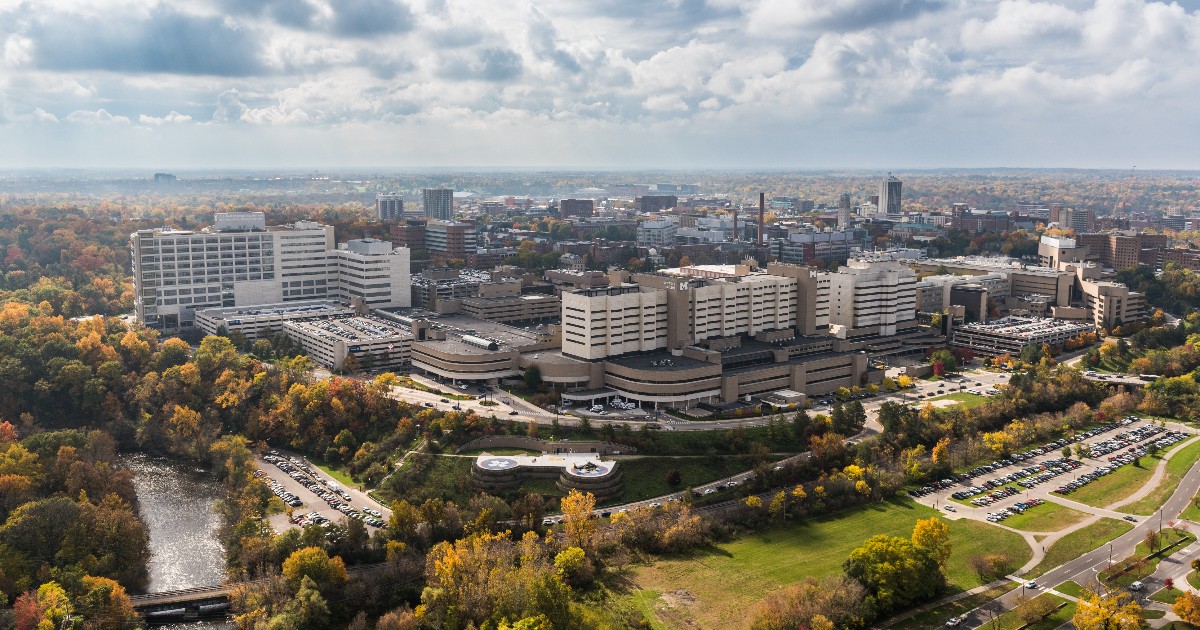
(889, 195)
(374, 271)
(438, 203)
(389, 207)
(240, 261)
(872, 297)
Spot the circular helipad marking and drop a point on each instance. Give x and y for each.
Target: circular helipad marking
(498, 463)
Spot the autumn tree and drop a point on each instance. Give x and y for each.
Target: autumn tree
(1187, 606)
(837, 600)
(895, 573)
(315, 564)
(578, 526)
(1107, 611)
(933, 536)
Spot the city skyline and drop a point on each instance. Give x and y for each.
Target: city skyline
(874, 84)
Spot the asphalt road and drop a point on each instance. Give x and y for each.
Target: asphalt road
(1083, 570)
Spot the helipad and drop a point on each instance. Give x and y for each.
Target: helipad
(577, 464)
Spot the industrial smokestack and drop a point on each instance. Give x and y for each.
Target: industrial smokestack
(762, 213)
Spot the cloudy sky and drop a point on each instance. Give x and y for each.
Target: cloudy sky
(599, 83)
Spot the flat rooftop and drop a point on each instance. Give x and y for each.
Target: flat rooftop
(297, 309)
(352, 329)
(661, 361)
(578, 464)
(457, 325)
(1025, 327)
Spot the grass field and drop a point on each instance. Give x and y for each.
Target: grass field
(1126, 480)
(1193, 578)
(1080, 542)
(646, 478)
(1181, 462)
(1166, 595)
(1070, 588)
(1011, 621)
(710, 443)
(1047, 517)
(337, 474)
(937, 616)
(727, 580)
(970, 400)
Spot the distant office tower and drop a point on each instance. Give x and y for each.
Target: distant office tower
(164, 179)
(439, 203)
(575, 208)
(844, 211)
(390, 207)
(655, 203)
(889, 195)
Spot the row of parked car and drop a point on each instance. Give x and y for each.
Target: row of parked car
(278, 489)
(337, 498)
(1060, 466)
(1016, 508)
(998, 495)
(1116, 461)
(1123, 440)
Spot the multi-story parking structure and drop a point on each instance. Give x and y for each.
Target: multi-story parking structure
(1011, 335)
(374, 342)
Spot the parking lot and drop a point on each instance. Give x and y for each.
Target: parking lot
(1116, 444)
(313, 497)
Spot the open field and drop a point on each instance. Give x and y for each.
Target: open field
(727, 580)
(1080, 542)
(1181, 462)
(970, 400)
(646, 477)
(1047, 517)
(1117, 485)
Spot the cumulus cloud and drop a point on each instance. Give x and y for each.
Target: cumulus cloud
(368, 18)
(788, 73)
(229, 107)
(98, 117)
(172, 118)
(163, 41)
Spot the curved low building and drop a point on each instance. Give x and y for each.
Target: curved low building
(583, 472)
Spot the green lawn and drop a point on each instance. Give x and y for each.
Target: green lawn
(1193, 578)
(1047, 517)
(1080, 542)
(1166, 596)
(1011, 621)
(781, 439)
(337, 474)
(937, 616)
(728, 579)
(1117, 485)
(1181, 462)
(1071, 588)
(970, 400)
(1176, 543)
(646, 478)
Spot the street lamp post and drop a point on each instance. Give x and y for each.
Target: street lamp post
(1110, 553)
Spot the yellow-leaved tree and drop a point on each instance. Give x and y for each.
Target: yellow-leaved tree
(933, 536)
(1107, 611)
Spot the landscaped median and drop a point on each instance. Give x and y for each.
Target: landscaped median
(1121, 483)
(1047, 517)
(1143, 562)
(1079, 542)
(1178, 466)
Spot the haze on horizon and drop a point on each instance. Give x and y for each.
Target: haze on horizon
(604, 84)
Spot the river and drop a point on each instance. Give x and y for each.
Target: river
(175, 501)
